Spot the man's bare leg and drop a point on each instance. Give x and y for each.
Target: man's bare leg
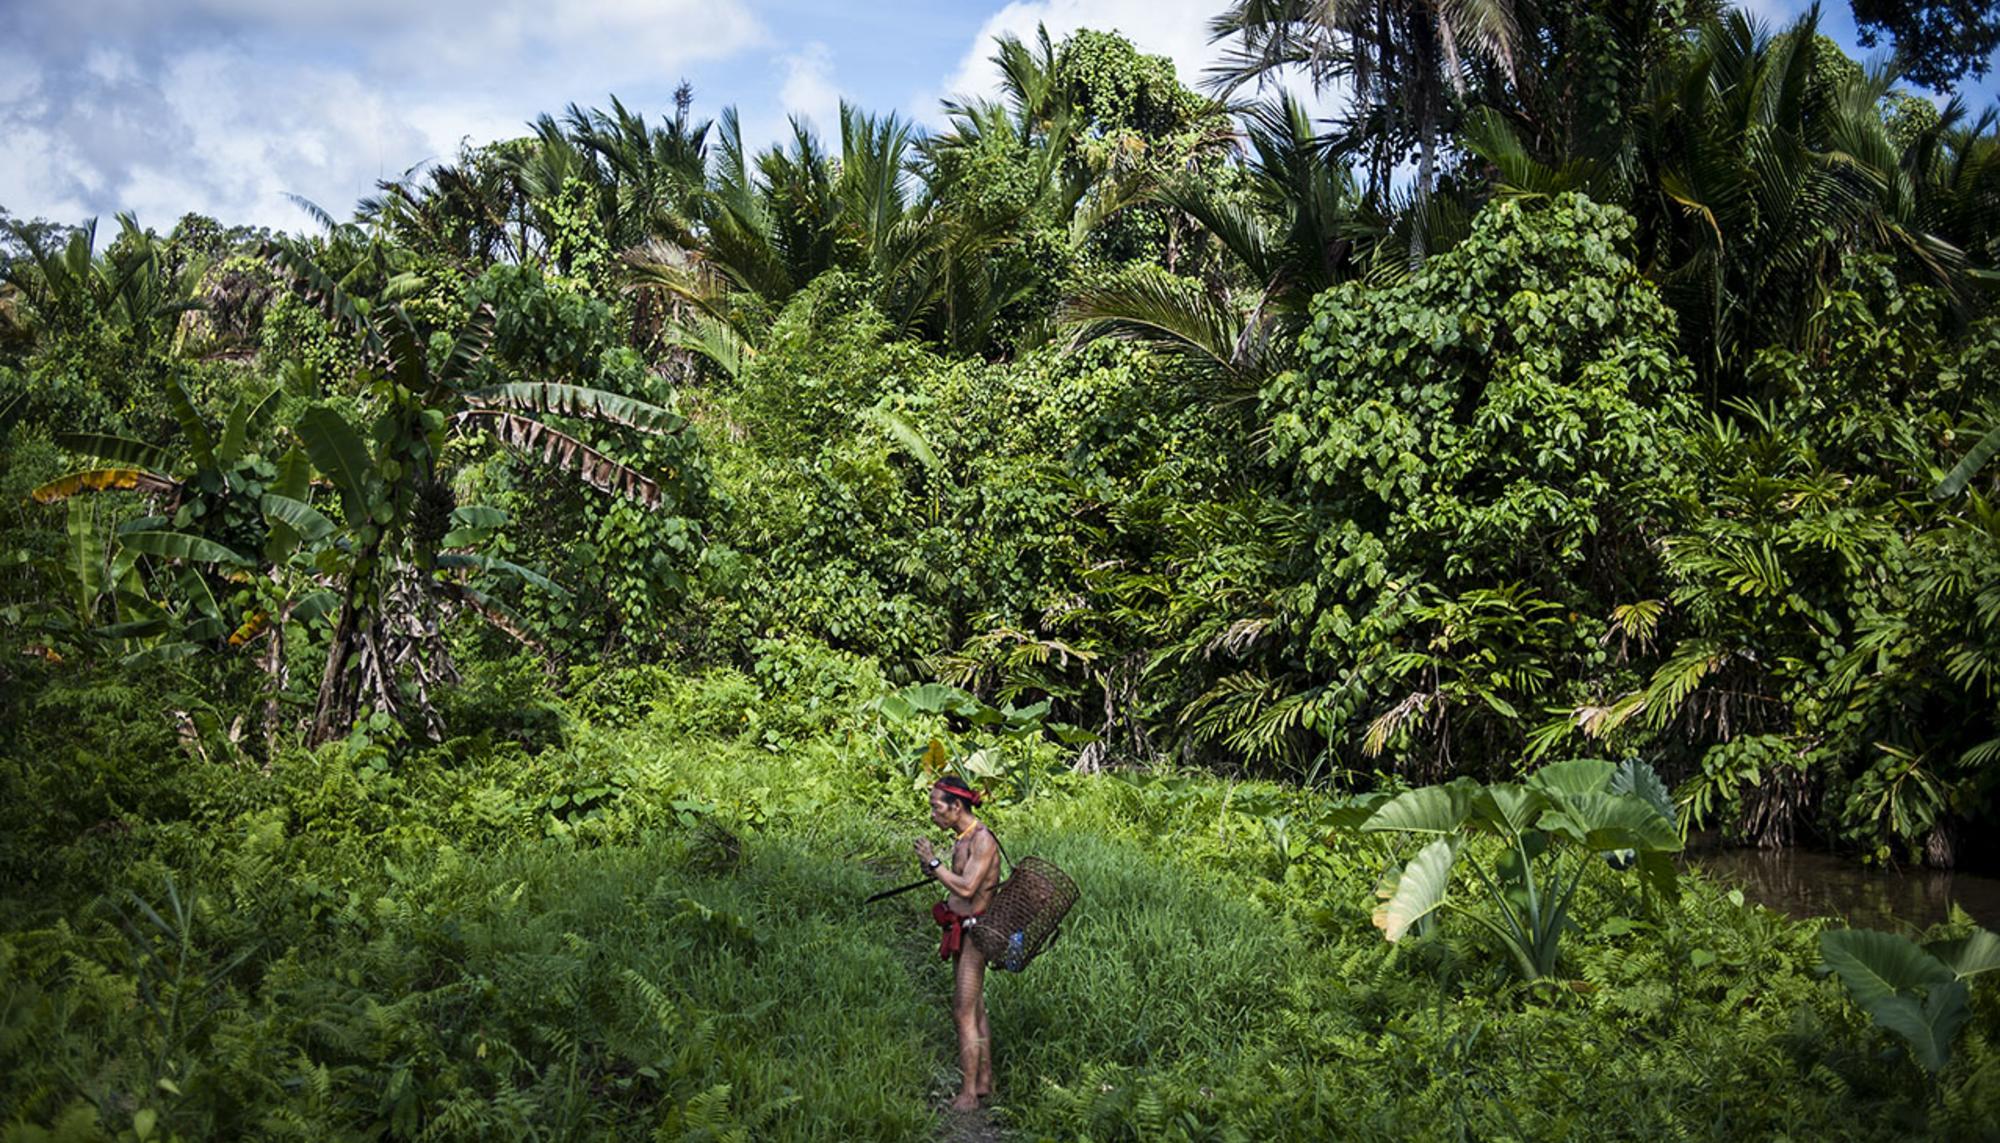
(968, 1012)
(985, 1086)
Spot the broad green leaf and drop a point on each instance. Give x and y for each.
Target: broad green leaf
(936, 698)
(1612, 821)
(195, 588)
(201, 446)
(122, 451)
(315, 606)
(903, 433)
(84, 559)
(339, 452)
(1639, 778)
(305, 521)
(1576, 776)
(1929, 1028)
(1509, 807)
(181, 546)
(1962, 473)
(1968, 956)
(160, 654)
(1427, 809)
(478, 516)
(1877, 965)
(1417, 890)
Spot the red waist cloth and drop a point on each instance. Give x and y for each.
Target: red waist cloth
(953, 924)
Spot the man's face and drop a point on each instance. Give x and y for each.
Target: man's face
(940, 812)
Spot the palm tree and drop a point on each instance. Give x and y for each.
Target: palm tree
(1406, 62)
(1298, 226)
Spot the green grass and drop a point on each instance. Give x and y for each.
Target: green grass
(654, 929)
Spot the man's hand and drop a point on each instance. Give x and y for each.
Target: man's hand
(924, 853)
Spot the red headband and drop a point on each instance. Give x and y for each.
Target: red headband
(954, 786)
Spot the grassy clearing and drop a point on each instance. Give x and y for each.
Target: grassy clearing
(653, 928)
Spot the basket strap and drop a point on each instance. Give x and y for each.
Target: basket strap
(1002, 848)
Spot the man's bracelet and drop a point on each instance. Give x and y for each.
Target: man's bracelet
(934, 863)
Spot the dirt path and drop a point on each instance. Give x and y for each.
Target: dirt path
(969, 1127)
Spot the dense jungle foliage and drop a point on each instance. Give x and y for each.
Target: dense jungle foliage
(463, 667)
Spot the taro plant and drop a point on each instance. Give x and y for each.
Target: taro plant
(916, 726)
(1917, 992)
(1549, 830)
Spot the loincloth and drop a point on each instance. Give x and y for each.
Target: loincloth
(952, 939)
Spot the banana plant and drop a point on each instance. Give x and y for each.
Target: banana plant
(1583, 807)
(394, 485)
(1917, 992)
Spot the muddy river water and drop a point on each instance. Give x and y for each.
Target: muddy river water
(1803, 883)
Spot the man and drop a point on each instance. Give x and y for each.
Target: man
(970, 880)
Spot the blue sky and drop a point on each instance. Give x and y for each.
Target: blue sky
(223, 106)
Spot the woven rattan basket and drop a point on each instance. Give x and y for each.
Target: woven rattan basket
(1025, 916)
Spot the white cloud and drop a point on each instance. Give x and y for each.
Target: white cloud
(221, 106)
(809, 91)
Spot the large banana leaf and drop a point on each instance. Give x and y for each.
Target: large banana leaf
(576, 401)
(118, 450)
(294, 476)
(201, 446)
(1417, 891)
(304, 521)
(84, 560)
(469, 348)
(245, 421)
(1875, 965)
(181, 546)
(339, 452)
(476, 562)
(572, 455)
(102, 480)
(1427, 809)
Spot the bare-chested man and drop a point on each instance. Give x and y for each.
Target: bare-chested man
(971, 878)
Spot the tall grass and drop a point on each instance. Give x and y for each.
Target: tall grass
(652, 927)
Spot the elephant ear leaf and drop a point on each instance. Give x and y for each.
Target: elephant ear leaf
(1928, 1027)
(1576, 776)
(1427, 809)
(1641, 780)
(1612, 821)
(1877, 965)
(1968, 956)
(1417, 890)
(1509, 808)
